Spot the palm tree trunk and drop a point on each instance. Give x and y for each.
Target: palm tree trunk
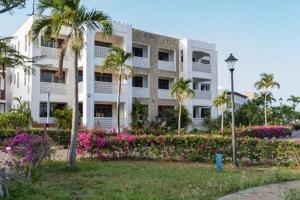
(266, 121)
(179, 116)
(222, 122)
(119, 97)
(74, 129)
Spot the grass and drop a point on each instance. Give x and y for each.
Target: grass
(114, 180)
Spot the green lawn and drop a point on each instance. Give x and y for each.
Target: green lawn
(111, 180)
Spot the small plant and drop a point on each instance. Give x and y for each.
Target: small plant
(290, 194)
(139, 115)
(63, 118)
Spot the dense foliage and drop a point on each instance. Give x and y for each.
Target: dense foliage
(12, 120)
(63, 118)
(170, 117)
(267, 131)
(188, 148)
(139, 115)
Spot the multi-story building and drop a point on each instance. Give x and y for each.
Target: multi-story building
(239, 98)
(158, 61)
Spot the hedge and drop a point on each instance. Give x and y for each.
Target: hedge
(190, 148)
(267, 131)
(59, 136)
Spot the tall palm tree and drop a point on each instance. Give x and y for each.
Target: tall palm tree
(78, 20)
(116, 60)
(181, 89)
(295, 101)
(221, 102)
(264, 84)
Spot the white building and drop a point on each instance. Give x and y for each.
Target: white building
(158, 61)
(239, 98)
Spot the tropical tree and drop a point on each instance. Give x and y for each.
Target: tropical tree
(116, 61)
(264, 84)
(221, 102)
(181, 89)
(70, 14)
(295, 101)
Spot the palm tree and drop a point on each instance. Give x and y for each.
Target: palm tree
(221, 101)
(116, 60)
(266, 82)
(295, 101)
(181, 89)
(78, 20)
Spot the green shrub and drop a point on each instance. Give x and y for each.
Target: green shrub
(63, 118)
(170, 116)
(12, 120)
(139, 115)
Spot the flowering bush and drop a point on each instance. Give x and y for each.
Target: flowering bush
(27, 150)
(267, 131)
(192, 148)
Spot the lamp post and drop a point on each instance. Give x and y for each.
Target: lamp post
(231, 61)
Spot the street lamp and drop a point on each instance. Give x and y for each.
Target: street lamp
(231, 61)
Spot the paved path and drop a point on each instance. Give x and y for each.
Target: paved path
(295, 135)
(268, 192)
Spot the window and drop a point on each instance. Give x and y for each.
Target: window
(103, 110)
(51, 77)
(163, 56)
(10, 80)
(137, 81)
(103, 44)
(194, 59)
(195, 86)
(205, 113)
(181, 57)
(80, 76)
(163, 84)
(138, 52)
(80, 108)
(53, 107)
(163, 109)
(52, 43)
(103, 77)
(205, 87)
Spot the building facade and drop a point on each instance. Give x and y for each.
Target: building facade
(239, 98)
(157, 62)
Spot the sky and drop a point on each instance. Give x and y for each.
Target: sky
(263, 34)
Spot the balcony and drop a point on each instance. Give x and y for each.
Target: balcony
(51, 53)
(2, 95)
(108, 87)
(204, 95)
(53, 88)
(101, 52)
(109, 122)
(166, 65)
(141, 62)
(200, 67)
(43, 120)
(164, 94)
(140, 92)
(197, 122)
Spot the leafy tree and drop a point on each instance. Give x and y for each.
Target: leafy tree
(73, 15)
(64, 117)
(295, 101)
(115, 60)
(139, 114)
(249, 114)
(181, 89)
(222, 101)
(264, 84)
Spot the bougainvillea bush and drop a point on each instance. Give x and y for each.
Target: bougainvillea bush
(27, 151)
(199, 148)
(267, 131)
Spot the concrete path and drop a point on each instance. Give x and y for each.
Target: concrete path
(268, 192)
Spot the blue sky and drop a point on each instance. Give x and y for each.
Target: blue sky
(263, 34)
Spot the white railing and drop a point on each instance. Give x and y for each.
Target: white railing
(200, 94)
(109, 122)
(53, 88)
(101, 52)
(197, 122)
(141, 62)
(166, 65)
(140, 92)
(52, 53)
(200, 67)
(43, 120)
(164, 94)
(108, 87)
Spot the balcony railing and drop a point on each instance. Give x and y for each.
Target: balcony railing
(108, 87)
(166, 65)
(52, 53)
(197, 122)
(200, 67)
(53, 88)
(201, 94)
(164, 94)
(141, 62)
(43, 120)
(2, 94)
(109, 122)
(140, 92)
(101, 52)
